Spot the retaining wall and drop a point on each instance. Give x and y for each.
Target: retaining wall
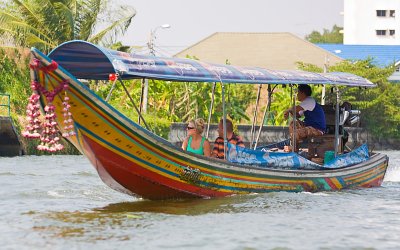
(271, 134)
(9, 141)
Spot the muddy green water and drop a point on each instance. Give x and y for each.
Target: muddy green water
(59, 202)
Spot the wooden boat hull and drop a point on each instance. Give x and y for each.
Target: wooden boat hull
(132, 160)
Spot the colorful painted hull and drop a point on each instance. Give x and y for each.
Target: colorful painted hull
(132, 160)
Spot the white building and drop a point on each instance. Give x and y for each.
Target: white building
(372, 22)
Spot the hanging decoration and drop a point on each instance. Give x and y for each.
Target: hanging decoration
(68, 122)
(47, 130)
(33, 128)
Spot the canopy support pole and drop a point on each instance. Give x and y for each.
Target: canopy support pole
(337, 121)
(111, 90)
(141, 100)
(133, 103)
(294, 119)
(323, 94)
(224, 118)
(211, 108)
(253, 125)
(145, 95)
(267, 110)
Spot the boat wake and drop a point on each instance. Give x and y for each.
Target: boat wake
(392, 175)
(54, 194)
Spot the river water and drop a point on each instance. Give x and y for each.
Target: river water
(59, 202)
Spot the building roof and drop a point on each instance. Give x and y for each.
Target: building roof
(382, 55)
(395, 77)
(277, 51)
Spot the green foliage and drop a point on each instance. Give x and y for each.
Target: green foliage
(45, 24)
(309, 67)
(366, 69)
(177, 101)
(15, 79)
(159, 125)
(180, 102)
(239, 97)
(379, 106)
(327, 36)
(281, 100)
(120, 47)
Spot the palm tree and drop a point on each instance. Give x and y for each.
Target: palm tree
(47, 23)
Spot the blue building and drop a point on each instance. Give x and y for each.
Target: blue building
(382, 55)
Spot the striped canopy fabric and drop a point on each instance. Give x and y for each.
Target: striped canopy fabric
(88, 61)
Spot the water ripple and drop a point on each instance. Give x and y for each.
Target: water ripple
(59, 202)
(7, 174)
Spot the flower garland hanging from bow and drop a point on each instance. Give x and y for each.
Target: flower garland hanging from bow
(47, 131)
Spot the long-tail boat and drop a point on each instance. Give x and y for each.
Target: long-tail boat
(131, 159)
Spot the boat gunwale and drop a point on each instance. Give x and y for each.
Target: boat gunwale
(209, 164)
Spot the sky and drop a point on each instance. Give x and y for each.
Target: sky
(192, 21)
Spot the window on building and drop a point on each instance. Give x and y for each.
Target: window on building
(392, 13)
(392, 32)
(380, 12)
(381, 32)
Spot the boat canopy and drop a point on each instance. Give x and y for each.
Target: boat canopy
(88, 61)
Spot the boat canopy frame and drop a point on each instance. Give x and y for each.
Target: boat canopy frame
(85, 60)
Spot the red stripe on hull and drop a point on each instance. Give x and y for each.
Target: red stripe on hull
(374, 183)
(179, 161)
(138, 180)
(331, 184)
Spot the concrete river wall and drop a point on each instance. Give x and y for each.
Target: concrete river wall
(271, 134)
(9, 141)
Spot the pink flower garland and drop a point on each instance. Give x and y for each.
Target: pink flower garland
(33, 129)
(48, 131)
(49, 139)
(68, 122)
